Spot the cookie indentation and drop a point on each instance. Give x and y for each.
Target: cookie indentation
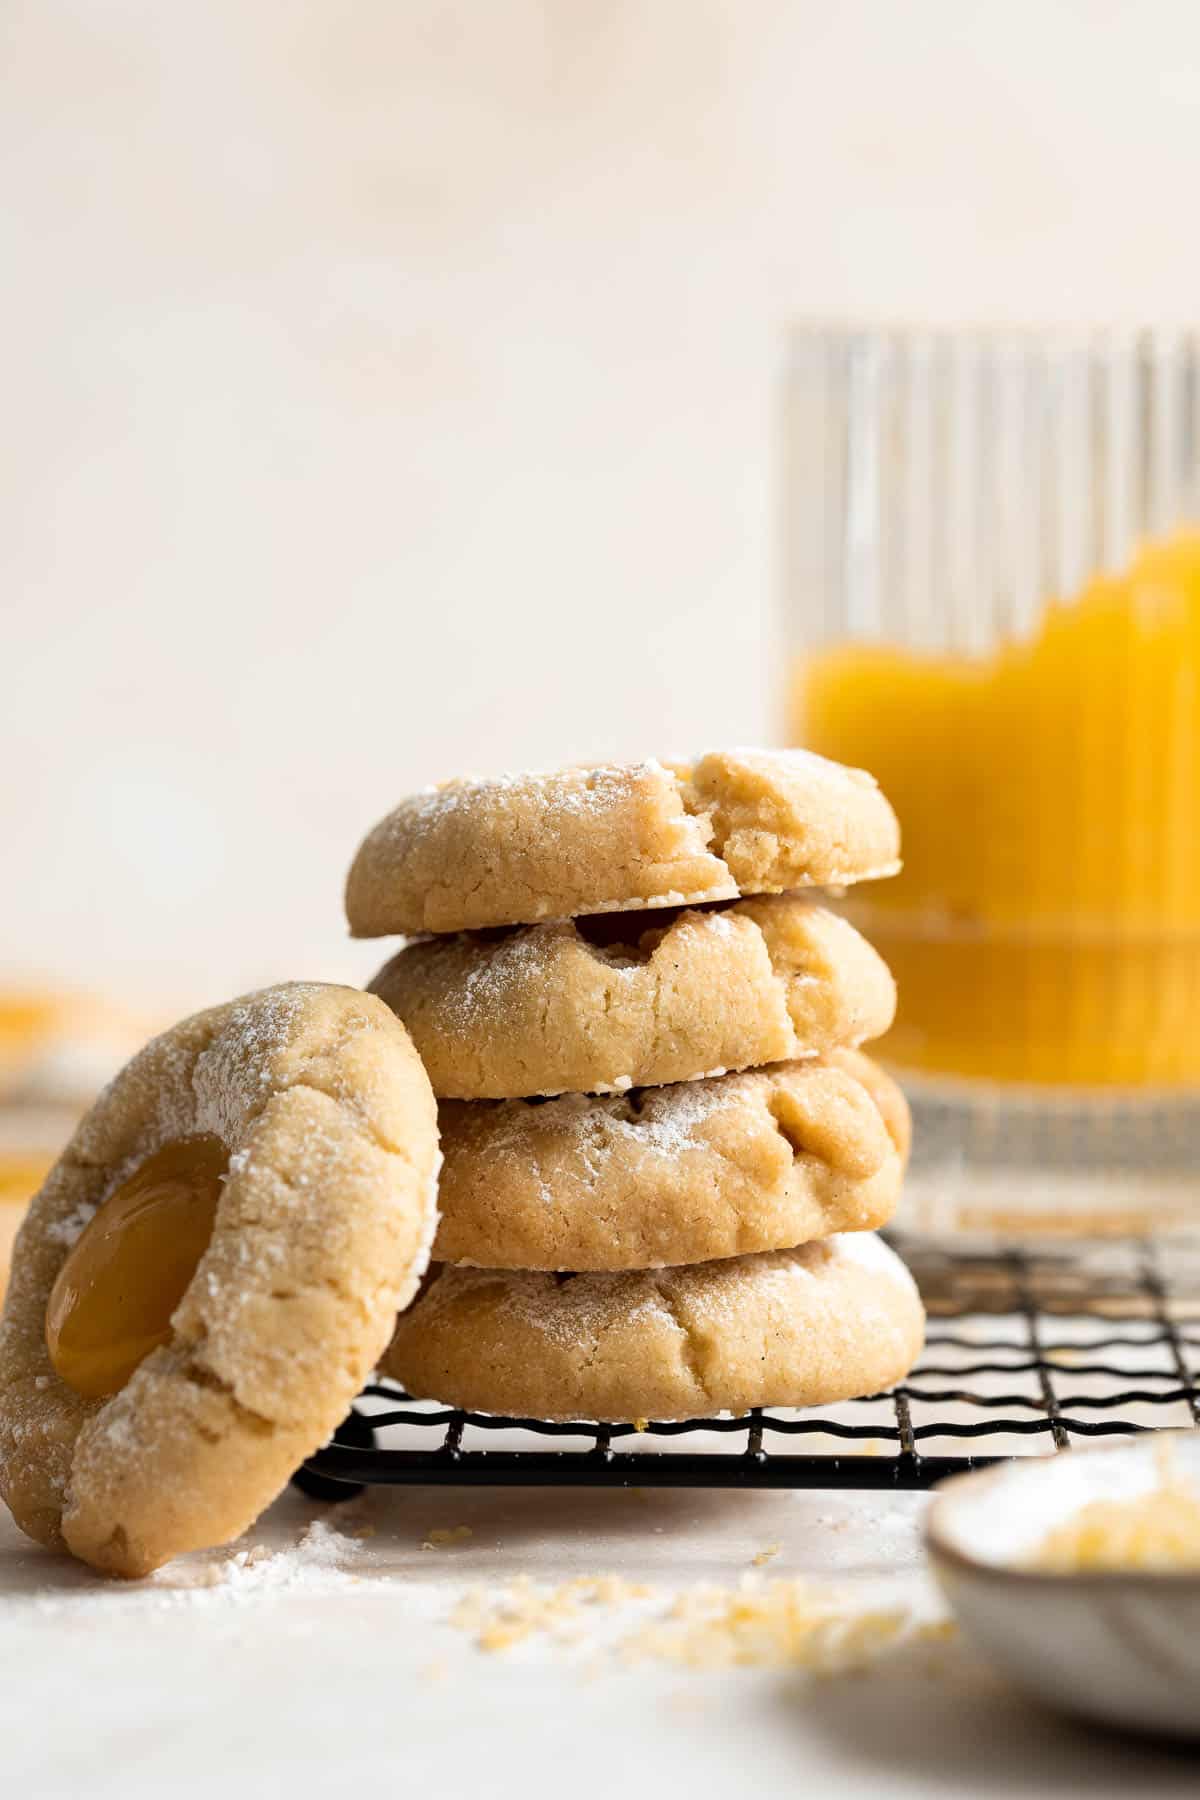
(112, 1300)
(546, 1009)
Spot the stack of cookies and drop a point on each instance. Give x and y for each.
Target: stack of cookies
(664, 1153)
(664, 1157)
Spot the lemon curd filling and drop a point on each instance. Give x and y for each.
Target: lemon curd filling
(114, 1296)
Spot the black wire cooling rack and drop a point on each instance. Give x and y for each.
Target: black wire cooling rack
(1028, 1351)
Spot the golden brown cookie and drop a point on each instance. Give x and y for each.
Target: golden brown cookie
(737, 1164)
(289, 1141)
(637, 1000)
(887, 1094)
(837, 1318)
(518, 849)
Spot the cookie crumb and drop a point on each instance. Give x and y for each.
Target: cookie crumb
(523, 1609)
(785, 1623)
(766, 1554)
(782, 1624)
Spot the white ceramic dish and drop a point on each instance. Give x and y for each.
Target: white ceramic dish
(1121, 1649)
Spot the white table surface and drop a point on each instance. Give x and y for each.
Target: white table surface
(354, 1681)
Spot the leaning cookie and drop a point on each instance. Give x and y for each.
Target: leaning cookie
(835, 1319)
(210, 1272)
(517, 849)
(741, 1163)
(554, 1009)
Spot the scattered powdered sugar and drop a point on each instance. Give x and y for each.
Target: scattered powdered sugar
(661, 1121)
(720, 923)
(322, 1559)
(568, 1311)
(510, 966)
(485, 989)
(670, 1118)
(174, 1099)
(241, 1058)
(870, 1252)
(492, 974)
(570, 792)
(580, 1311)
(68, 1230)
(579, 788)
(630, 801)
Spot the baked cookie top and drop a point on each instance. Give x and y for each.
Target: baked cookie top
(661, 1176)
(516, 849)
(832, 1320)
(210, 1272)
(636, 1000)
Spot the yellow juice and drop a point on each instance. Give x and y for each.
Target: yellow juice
(1046, 926)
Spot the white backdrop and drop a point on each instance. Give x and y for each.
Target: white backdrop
(389, 391)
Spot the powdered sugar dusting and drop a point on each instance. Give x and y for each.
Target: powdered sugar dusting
(671, 1118)
(68, 1231)
(323, 1558)
(577, 1311)
(322, 1561)
(567, 1310)
(569, 792)
(508, 966)
(473, 976)
(660, 1121)
(870, 1252)
(239, 1068)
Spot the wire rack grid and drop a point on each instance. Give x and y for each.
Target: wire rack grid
(1029, 1351)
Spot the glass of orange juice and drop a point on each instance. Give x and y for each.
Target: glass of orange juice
(993, 603)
